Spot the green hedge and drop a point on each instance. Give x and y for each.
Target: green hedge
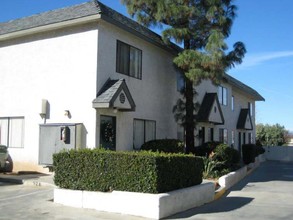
(148, 172)
(164, 145)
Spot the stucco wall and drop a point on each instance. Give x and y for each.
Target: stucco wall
(154, 95)
(59, 66)
(230, 116)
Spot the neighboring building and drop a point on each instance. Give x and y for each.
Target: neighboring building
(89, 65)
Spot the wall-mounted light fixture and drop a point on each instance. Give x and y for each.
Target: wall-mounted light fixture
(67, 113)
(45, 110)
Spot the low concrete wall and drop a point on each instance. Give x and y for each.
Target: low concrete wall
(232, 178)
(147, 205)
(279, 153)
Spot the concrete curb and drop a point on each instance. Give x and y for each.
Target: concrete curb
(11, 180)
(236, 176)
(37, 182)
(219, 193)
(28, 181)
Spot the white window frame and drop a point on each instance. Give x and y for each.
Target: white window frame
(250, 107)
(146, 135)
(12, 132)
(180, 81)
(223, 95)
(128, 60)
(223, 135)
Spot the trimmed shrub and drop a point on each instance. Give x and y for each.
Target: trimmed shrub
(164, 145)
(248, 153)
(104, 170)
(206, 149)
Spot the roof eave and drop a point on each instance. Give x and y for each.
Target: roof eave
(243, 87)
(49, 27)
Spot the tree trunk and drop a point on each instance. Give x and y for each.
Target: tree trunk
(189, 120)
(189, 117)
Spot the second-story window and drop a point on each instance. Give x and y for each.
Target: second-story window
(222, 94)
(180, 81)
(232, 103)
(128, 60)
(250, 108)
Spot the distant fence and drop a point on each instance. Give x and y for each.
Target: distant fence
(280, 153)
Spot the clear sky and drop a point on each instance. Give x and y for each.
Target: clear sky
(266, 28)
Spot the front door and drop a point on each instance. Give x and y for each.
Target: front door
(108, 132)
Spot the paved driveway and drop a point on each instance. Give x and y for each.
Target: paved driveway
(267, 193)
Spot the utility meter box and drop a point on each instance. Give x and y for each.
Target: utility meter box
(56, 137)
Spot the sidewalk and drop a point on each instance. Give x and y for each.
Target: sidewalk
(28, 178)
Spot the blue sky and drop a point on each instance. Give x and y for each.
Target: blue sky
(264, 26)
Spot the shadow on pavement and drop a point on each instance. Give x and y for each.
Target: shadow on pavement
(267, 171)
(230, 204)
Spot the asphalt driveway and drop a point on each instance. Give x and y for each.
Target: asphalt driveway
(267, 193)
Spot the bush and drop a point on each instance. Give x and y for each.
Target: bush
(259, 150)
(210, 168)
(164, 145)
(229, 156)
(206, 149)
(148, 172)
(248, 153)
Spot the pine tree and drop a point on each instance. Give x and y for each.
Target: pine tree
(201, 26)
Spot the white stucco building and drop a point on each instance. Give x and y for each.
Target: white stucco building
(89, 64)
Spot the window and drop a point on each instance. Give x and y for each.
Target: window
(250, 108)
(180, 81)
(232, 138)
(222, 94)
(201, 135)
(128, 60)
(210, 134)
(250, 141)
(143, 131)
(12, 131)
(223, 135)
(232, 103)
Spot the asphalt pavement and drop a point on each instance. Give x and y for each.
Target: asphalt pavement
(264, 194)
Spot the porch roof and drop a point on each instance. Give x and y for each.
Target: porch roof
(114, 94)
(210, 106)
(244, 121)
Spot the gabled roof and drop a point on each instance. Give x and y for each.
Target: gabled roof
(210, 106)
(244, 121)
(114, 94)
(236, 83)
(92, 11)
(88, 11)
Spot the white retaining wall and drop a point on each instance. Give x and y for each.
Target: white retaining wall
(147, 205)
(279, 153)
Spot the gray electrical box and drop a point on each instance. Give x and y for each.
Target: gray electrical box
(56, 137)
